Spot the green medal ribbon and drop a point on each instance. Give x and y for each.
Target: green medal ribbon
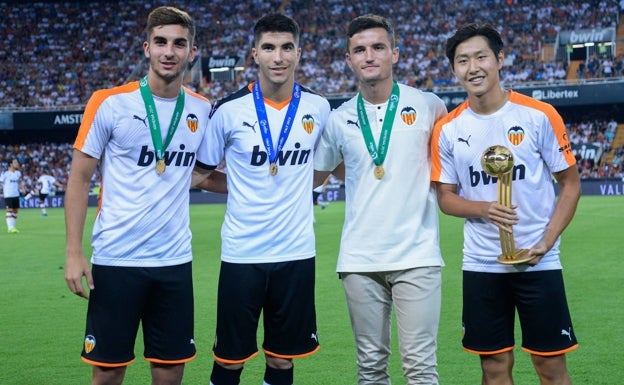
(378, 153)
(154, 124)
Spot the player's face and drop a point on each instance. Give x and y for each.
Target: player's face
(371, 55)
(169, 50)
(476, 66)
(15, 164)
(277, 56)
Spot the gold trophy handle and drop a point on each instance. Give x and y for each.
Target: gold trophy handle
(510, 255)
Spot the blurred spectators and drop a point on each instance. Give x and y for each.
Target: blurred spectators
(55, 54)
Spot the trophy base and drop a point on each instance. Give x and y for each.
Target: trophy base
(518, 257)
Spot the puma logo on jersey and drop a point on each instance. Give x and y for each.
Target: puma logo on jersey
(141, 119)
(252, 126)
(314, 337)
(481, 177)
(259, 157)
(171, 158)
(353, 123)
(462, 140)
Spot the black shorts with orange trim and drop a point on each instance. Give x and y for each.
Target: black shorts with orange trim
(490, 302)
(158, 298)
(283, 292)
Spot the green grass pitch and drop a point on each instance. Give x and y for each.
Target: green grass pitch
(42, 323)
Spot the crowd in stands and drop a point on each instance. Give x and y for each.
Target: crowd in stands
(55, 54)
(37, 159)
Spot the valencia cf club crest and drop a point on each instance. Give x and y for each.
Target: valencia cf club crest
(408, 114)
(192, 122)
(515, 135)
(308, 123)
(89, 343)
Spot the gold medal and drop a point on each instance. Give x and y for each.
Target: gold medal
(273, 169)
(379, 172)
(160, 166)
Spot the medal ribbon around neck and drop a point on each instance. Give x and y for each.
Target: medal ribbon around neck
(154, 123)
(265, 130)
(378, 153)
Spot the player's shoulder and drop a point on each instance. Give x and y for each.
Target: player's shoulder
(531, 103)
(231, 100)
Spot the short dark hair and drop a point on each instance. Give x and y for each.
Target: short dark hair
(495, 42)
(166, 15)
(276, 22)
(369, 21)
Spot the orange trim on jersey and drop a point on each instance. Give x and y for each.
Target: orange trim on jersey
(107, 364)
(489, 353)
(230, 362)
(277, 106)
(553, 117)
(186, 90)
(92, 107)
(171, 362)
(287, 357)
(550, 354)
(436, 163)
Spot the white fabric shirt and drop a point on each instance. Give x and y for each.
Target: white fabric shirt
(536, 135)
(392, 223)
(143, 219)
(268, 218)
(47, 183)
(11, 183)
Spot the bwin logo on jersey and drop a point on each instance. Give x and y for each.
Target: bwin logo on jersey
(171, 158)
(481, 177)
(308, 123)
(408, 114)
(259, 157)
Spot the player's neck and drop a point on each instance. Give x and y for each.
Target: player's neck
(490, 102)
(276, 92)
(164, 89)
(376, 92)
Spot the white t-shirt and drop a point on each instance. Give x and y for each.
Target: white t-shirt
(47, 183)
(268, 218)
(536, 135)
(11, 183)
(392, 223)
(143, 219)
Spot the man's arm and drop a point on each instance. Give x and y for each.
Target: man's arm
(76, 202)
(452, 203)
(569, 194)
(209, 180)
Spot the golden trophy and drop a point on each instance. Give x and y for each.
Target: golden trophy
(498, 161)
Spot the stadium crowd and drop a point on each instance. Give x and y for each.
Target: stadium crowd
(55, 54)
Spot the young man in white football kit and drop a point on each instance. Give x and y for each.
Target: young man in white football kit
(493, 292)
(47, 183)
(389, 250)
(11, 188)
(145, 136)
(267, 132)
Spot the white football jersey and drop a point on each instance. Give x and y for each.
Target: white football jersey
(143, 218)
(391, 223)
(536, 136)
(11, 183)
(268, 218)
(47, 183)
